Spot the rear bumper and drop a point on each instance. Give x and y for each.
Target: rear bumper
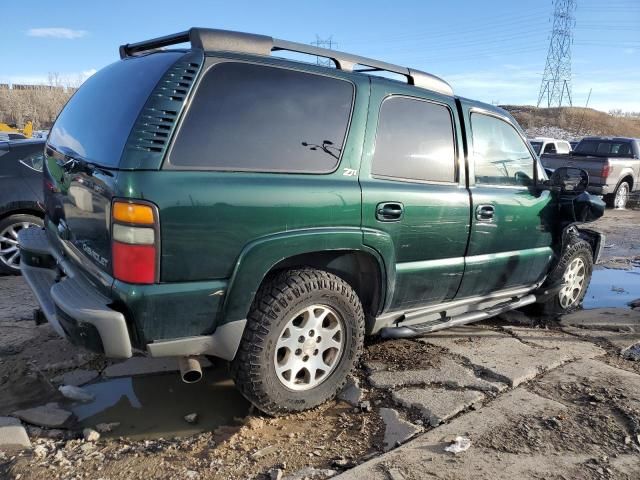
(71, 304)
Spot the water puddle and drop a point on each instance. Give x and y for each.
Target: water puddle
(612, 287)
(154, 406)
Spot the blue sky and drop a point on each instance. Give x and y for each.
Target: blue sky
(491, 50)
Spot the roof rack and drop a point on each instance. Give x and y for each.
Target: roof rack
(209, 39)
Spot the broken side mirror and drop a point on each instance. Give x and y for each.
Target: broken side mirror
(569, 180)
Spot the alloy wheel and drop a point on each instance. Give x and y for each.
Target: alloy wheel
(309, 347)
(9, 250)
(622, 195)
(574, 280)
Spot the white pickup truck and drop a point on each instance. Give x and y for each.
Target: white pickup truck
(613, 165)
(553, 146)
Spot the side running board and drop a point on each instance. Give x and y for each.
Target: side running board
(469, 317)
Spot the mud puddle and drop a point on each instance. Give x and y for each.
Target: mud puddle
(154, 406)
(612, 287)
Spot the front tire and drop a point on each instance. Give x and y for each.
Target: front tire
(574, 269)
(304, 334)
(9, 251)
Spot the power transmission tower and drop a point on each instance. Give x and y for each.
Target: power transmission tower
(326, 43)
(556, 81)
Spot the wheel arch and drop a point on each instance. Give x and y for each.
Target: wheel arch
(22, 208)
(339, 251)
(595, 239)
(627, 177)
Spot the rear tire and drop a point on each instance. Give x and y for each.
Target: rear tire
(574, 269)
(9, 252)
(304, 335)
(620, 197)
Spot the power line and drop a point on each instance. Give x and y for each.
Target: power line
(324, 43)
(556, 80)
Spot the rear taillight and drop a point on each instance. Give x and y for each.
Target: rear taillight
(134, 242)
(606, 169)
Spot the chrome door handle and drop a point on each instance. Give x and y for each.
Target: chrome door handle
(485, 213)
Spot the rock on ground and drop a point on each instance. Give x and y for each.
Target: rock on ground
(12, 434)
(76, 378)
(437, 404)
(50, 415)
(90, 435)
(396, 430)
(76, 393)
(311, 473)
(351, 393)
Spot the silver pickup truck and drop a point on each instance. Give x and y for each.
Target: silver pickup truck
(613, 165)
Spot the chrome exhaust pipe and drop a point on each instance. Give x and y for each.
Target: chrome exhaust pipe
(190, 369)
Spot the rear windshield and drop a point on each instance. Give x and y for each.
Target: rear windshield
(96, 123)
(604, 148)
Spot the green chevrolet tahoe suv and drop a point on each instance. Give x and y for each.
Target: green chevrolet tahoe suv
(219, 200)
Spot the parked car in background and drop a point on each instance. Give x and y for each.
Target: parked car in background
(545, 145)
(6, 136)
(272, 213)
(21, 195)
(40, 134)
(613, 164)
(574, 144)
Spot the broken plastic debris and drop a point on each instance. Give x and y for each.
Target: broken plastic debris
(76, 393)
(459, 445)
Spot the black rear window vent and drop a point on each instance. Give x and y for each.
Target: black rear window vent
(158, 117)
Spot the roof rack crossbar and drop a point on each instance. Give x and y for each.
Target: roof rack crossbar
(222, 40)
(131, 49)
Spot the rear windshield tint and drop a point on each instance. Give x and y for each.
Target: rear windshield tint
(607, 148)
(96, 123)
(248, 117)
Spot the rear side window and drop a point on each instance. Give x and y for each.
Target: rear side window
(414, 141)
(96, 123)
(248, 117)
(501, 156)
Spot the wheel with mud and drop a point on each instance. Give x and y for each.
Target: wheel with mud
(574, 271)
(304, 334)
(9, 251)
(620, 197)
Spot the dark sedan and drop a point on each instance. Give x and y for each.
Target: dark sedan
(21, 164)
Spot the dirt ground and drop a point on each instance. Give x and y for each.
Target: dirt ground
(450, 377)
(622, 231)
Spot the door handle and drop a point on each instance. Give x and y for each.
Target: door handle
(389, 211)
(485, 213)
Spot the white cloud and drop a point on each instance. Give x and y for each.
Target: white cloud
(66, 33)
(87, 73)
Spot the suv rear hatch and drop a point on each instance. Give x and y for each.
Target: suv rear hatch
(120, 119)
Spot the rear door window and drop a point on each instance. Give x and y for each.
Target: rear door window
(247, 117)
(414, 141)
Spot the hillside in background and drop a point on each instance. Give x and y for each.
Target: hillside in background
(571, 123)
